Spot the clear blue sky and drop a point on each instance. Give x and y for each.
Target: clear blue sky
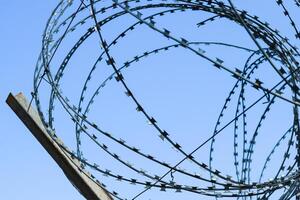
(28, 172)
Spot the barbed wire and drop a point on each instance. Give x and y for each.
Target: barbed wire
(73, 24)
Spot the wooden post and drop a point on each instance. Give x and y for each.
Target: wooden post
(80, 178)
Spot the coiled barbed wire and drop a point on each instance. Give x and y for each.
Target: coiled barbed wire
(89, 46)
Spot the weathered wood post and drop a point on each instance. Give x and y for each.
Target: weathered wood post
(80, 178)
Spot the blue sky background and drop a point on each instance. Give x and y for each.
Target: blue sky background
(28, 172)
